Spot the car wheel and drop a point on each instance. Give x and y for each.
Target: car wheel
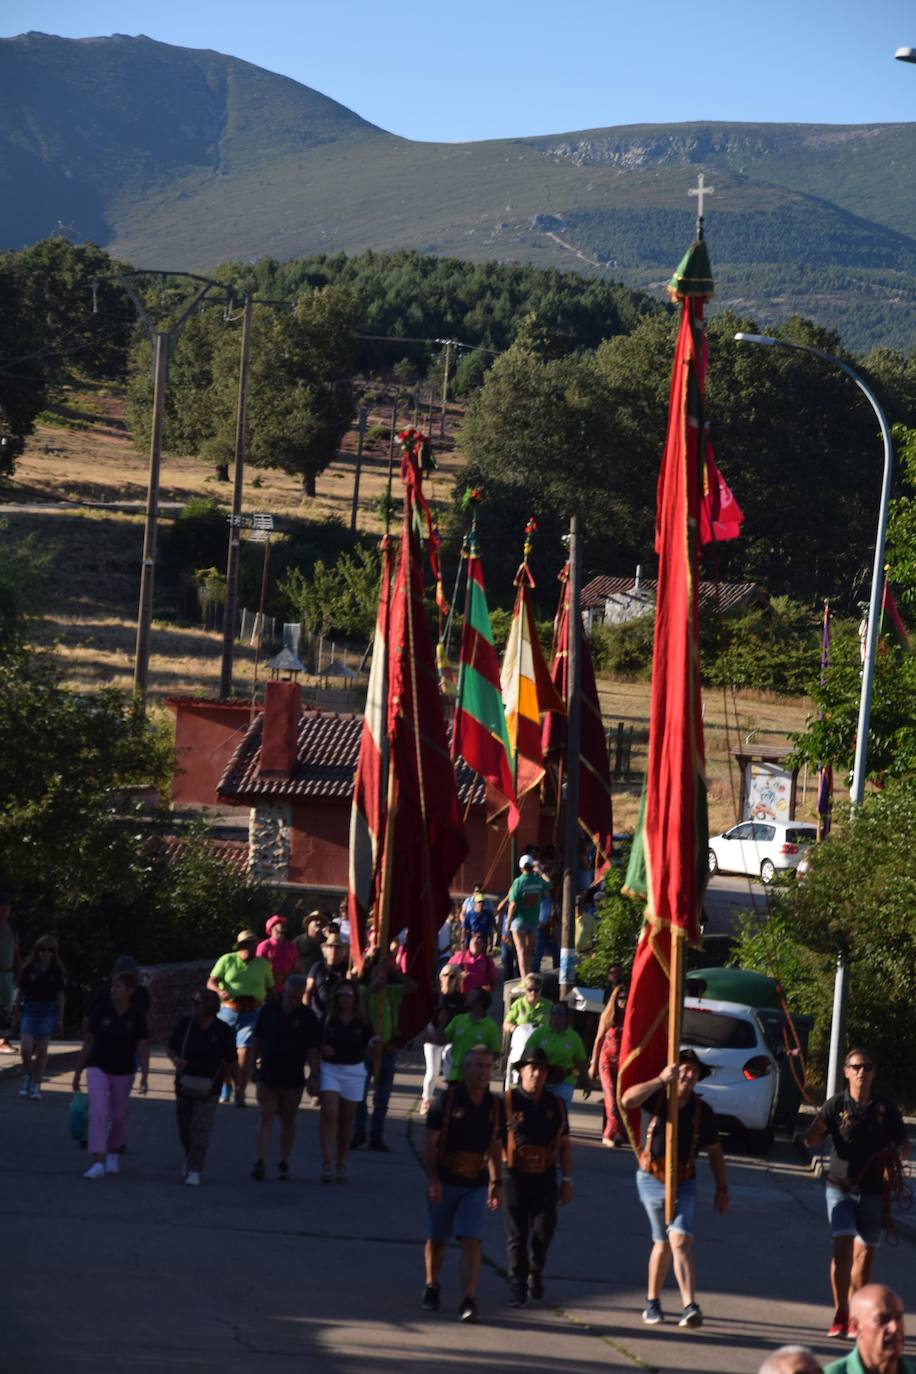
(767, 871)
(713, 862)
(759, 1142)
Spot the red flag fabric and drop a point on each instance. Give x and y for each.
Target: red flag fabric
(427, 837)
(720, 515)
(595, 810)
(367, 813)
(890, 626)
(668, 868)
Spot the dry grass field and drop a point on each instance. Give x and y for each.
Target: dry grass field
(94, 583)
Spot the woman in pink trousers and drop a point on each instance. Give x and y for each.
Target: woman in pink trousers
(116, 1041)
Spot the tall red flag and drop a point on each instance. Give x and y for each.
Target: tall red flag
(668, 868)
(595, 812)
(367, 814)
(427, 844)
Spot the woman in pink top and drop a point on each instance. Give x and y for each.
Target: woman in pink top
(280, 953)
(477, 968)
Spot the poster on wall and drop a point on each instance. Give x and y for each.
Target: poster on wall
(767, 792)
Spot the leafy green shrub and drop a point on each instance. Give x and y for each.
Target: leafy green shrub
(624, 651)
(619, 922)
(857, 900)
(341, 598)
(378, 434)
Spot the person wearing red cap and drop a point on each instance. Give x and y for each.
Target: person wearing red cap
(280, 953)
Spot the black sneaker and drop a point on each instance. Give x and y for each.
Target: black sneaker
(257, 1172)
(652, 1312)
(430, 1299)
(468, 1311)
(283, 1170)
(692, 1316)
(358, 1140)
(376, 1143)
(535, 1285)
(517, 1296)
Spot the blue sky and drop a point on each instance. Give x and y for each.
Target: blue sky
(469, 69)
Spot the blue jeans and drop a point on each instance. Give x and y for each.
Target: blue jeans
(242, 1022)
(380, 1098)
(854, 1213)
(544, 944)
(651, 1192)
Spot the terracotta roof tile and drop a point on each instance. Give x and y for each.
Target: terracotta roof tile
(232, 852)
(326, 754)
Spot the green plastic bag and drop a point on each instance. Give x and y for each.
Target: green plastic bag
(79, 1118)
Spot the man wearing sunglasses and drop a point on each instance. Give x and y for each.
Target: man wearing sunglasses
(867, 1135)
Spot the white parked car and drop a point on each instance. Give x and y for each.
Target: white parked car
(760, 848)
(744, 1080)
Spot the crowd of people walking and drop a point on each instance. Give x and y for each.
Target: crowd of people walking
(290, 1016)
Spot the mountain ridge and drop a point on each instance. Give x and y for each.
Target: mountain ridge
(157, 150)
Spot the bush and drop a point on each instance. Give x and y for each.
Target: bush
(857, 900)
(624, 651)
(619, 923)
(378, 434)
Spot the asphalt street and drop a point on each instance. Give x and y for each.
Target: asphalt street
(140, 1272)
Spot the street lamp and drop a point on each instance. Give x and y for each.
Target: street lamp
(857, 788)
(905, 54)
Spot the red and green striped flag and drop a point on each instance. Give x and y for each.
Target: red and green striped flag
(480, 735)
(668, 867)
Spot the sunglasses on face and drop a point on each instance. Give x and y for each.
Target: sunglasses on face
(860, 1068)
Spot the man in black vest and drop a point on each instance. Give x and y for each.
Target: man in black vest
(537, 1141)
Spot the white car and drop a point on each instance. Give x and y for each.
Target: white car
(743, 1080)
(760, 848)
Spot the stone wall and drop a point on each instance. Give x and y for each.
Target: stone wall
(269, 842)
(170, 988)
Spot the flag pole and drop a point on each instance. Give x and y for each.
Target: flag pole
(573, 764)
(675, 1025)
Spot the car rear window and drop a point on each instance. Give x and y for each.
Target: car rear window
(800, 836)
(717, 1032)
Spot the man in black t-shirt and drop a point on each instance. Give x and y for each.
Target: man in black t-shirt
(326, 973)
(464, 1138)
(537, 1140)
(285, 1039)
(866, 1132)
(697, 1130)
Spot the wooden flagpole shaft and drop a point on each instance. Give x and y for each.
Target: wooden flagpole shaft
(383, 918)
(675, 1023)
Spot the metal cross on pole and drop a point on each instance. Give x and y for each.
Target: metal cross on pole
(700, 190)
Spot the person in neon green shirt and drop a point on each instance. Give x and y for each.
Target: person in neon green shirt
(470, 1028)
(565, 1052)
(243, 982)
(531, 1009)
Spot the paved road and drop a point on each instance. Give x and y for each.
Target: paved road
(138, 1272)
(727, 895)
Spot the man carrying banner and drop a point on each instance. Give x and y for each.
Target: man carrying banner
(696, 1131)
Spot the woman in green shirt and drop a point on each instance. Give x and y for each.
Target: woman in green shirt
(243, 982)
(565, 1053)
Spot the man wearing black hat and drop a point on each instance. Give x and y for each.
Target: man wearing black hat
(537, 1141)
(326, 973)
(697, 1131)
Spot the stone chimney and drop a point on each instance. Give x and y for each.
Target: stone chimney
(280, 729)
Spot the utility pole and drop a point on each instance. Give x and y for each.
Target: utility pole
(573, 751)
(361, 415)
(448, 357)
(235, 533)
(150, 535)
(163, 341)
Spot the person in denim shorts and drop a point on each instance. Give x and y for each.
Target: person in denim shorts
(465, 1132)
(867, 1133)
(697, 1130)
(243, 981)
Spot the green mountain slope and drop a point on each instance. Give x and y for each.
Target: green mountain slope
(184, 158)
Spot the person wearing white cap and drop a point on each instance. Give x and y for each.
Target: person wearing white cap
(525, 897)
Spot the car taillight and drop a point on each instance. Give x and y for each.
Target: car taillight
(788, 849)
(758, 1067)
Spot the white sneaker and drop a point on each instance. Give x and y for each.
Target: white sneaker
(112, 1164)
(25, 1084)
(192, 1179)
(96, 1170)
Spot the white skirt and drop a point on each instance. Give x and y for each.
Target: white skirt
(347, 1079)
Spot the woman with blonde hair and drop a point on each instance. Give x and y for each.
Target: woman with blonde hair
(40, 999)
(448, 1004)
